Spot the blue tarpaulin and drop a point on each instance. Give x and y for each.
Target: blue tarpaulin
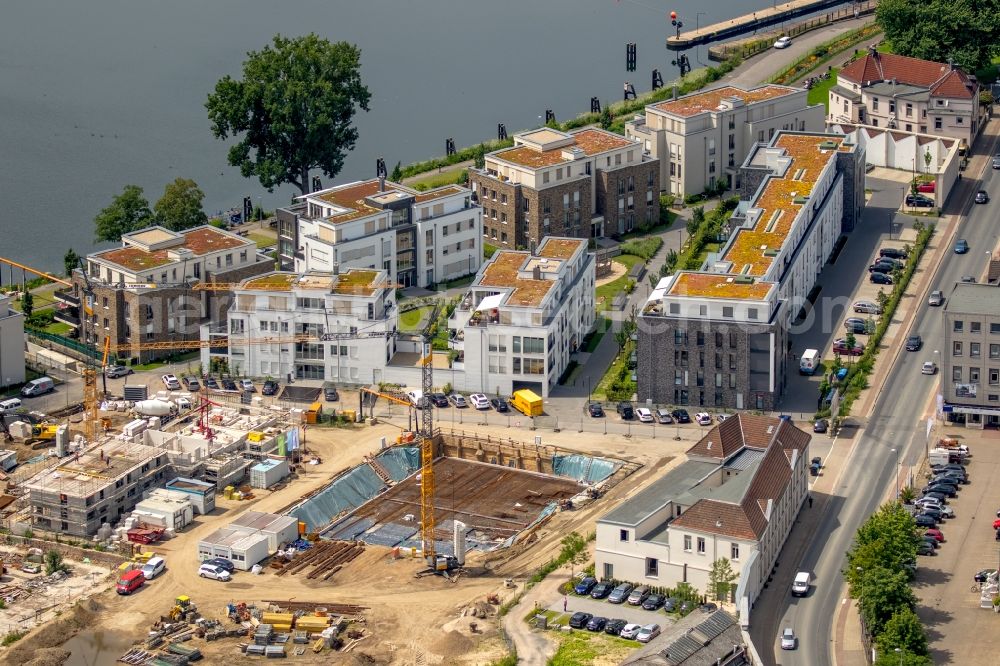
(400, 461)
(585, 469)
(347, 492)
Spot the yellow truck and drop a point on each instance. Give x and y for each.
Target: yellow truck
(527, 402)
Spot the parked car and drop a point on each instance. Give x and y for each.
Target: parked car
(914, 343)
(855, 325)
(708, 608)
(821, 426)
(601, 590)
(722, 417)
(925, 521)
(867, 307)
(918, 201)
(670, 604)
(841, 347)
(880, 278)
(788, 639)
(892, 252)
(458, 400)
(626, 411)
(928, 368)
(936, 298)
(881, 267)
(924, 548)
(597, 623)
(270, 387)
(586, 585)
(130, 582)
(961, 246)
(938, 496)
(930, 502)
(927, 187)
(247, 385)
(653, 602)
(931, 541)
(663, 416)
(213, 572)
(171, 382)
(703, 418)
(937, 535)
(681, 416)
(595, 410)
(982, 576)
(648, 633)
(982, 197)
(630, 630)
(949, 489)
(620, 593)
(579, 619)
(330, 393)
(500, 405)
(614, 627)
(191, 384)
(153, 567)
(439, 399)
(933, 513)
(211, 383)
(229, 385)
(996, 161)
(783, 42)
(479, 401)
(222, 563)
(114, 371)
(644, 415)
(686, 607)
(955, 466)
(638, 595)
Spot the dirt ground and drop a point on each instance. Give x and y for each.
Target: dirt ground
(440, 632)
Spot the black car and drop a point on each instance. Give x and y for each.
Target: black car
(708, 608)
(981, 576)
(881, 267)
(595, 410)
(914, 343)
(950, 476)
(950, 466)
(579, 619)
(924, 548)
(948, 489)
(229, 385)
(439, 399)
(500, 405)
(222, 563)
(597, 623)
(210, 383)
(925, 521)
(601, 590)
(880, 278)
(670, 604)
(892, 253)
(270, 387)
(614, 627)
(822, 425)
(681, 416)
(626, 411)
(653, 602)
(933, 513)
(917, 201)
(982, 197)
(941, 497)
(330, 392)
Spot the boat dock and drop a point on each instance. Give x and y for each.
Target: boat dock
(748, 22)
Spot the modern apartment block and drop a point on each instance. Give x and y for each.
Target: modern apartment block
(580, 184)
(970, 355)
(523, 316)
(143, 291)
(333, 326)
(736, 497)
(898, 92)
(419, 238)
(11, 343)
(719, 336)
(701, 139)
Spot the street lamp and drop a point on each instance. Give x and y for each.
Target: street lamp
(900, 653)
(896, 451)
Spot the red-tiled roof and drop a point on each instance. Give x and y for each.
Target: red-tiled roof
(937, 77)
(200, 240)
(720, 518)
(709, 100)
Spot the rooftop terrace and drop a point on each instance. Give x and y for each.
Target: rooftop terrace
(200, 241)
(591, 141)
(354, 281)
(503, 271)
(692, 105)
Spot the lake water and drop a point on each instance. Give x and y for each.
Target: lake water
(98, 94)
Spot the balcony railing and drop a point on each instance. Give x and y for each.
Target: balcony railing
(67, 297)
(65, 317)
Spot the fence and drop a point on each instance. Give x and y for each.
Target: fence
(69, 344)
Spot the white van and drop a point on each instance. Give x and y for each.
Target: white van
(809, 362)
(9, 406)
(800, 586)
(39, 386)
(153, 568)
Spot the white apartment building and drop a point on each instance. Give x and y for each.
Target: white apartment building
(700, 139)
(329, 326)
(736, 497)
(419, 238)
(523, 316)
(11, 343)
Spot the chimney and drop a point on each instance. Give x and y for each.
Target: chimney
(673, 93)
(873, 51)
(536, 272)
(381, 183)
(336, 268)
(532, 248)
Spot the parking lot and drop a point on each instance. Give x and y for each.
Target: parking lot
(624, 611)
(959, 631)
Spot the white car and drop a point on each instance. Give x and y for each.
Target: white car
(648, 633)
(630, 630)
(644, 415)
(783, 42)
(703, 418)
(213, 572)
(479, 401)
(788, 639)
(247, 385)
(928, 503)
(928, 368)
(171, 382)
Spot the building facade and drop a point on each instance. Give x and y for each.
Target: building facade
(420, 239)
(147, 291)
(11, 343)
(523, 316)
(970, 355)
(909, 94)
(736, 497)
(332, 326)
(718, 337)
(580, 184)
(699, 140)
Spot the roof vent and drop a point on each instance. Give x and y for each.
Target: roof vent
(709, 446)
(743, 279)
(770, 252)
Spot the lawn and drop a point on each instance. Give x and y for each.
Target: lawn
(820, 92)
(615, 371)
(429, 182)
(580, 648)
(262, 240)
(58, 328)
(608, 291)
(412, 320)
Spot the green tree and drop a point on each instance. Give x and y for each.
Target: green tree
(907, 495)
(54, 562)
(129, 211)
(180, 206)
(884, 592)
(671, 262)
(902, 659)
(397, 173)
(697, 219)
(71, 260)
(963, 31)
(294, 108)
(574, 550)
(850, 340)
(720, 579)
(904, 631)
(27, 304)
(882, 299)
(607, 120)
(479, 157)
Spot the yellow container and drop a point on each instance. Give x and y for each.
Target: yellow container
(228, 492)
(277, 618)
(255, 436)
(303, 528)
(350, 414)
(312, 623)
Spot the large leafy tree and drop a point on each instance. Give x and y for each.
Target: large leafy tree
(884, 593)
(127, 212)
(180, 206)
(293, 110)
(964, 31)
(71, 261)
(905, 632)
(892, 658)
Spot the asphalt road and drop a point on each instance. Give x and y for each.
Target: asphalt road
(895, 422)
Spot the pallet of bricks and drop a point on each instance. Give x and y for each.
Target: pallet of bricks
(325, 559)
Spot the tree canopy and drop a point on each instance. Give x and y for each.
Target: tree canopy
(71, 261)
(293, 109)
(180, 206)
(903, 631)
(129, 211)
(960, 30)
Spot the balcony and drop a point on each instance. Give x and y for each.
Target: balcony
(66, 297)
(67, 317)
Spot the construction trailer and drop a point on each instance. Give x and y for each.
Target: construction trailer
(278, 529)
(201, 493)
(168, 509)
(268, 472)
(242, 549)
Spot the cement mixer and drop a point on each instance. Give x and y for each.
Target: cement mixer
(155, 408)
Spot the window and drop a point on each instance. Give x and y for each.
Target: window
(909, 110)
(956, 350)
(874, 103)
(678, 377)
(957, 327)
(956, 373)
(974, 349)
(973, 375)
(711, 146)
(937, 123)
(994, 329)
(516, 366)
(718, 380)
(503, 198)
(751, 313)
(734, 551)
(623, 535)
(700, 338)
(609, 570)
(675, 308)
(732, 381)
(649, 177)
(975, 327)
(687, 542)
(701, 545)
(229, 260)
(994, 376)
(994, 351)
(958, 120)
(545, 176)
(727, 311)
(652, 566)
(631, 183)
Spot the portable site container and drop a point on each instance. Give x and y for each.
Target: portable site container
(268, 472)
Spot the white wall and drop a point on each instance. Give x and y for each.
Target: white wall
(11, 344)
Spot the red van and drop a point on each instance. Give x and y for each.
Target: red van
(130, 582)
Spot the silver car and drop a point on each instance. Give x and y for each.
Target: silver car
(936, 298)
(867, 307)
(788, 639)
